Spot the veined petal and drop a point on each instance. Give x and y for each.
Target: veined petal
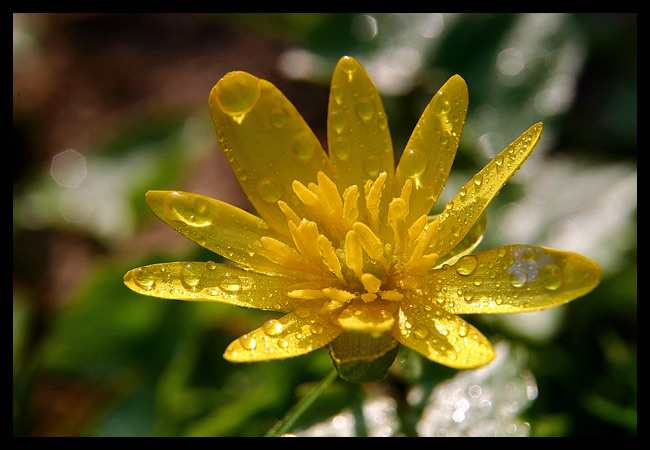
(295, 334)
(266, 141)
(221, 228)
(358, 137)
(430, 152)
(461, 213)
(441, 336)
(212, 282)
(514, 278)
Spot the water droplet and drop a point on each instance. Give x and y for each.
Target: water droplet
(551, 276)
(303, 145)
(478, 179)
(144, 278)
(420, 332)
(371, 165)
(248, 342)
(365, 109)
(468, 295)
(193, 210)
(413, 162)
(230, 283)
(337, 121)
(273, 327)
(466, 265)
(441, 103)
(349, 65)
(278, 118)
(302, 313)
(341, 147)
(518, 278)
(237, 93)
(269, 190)
(191, 276)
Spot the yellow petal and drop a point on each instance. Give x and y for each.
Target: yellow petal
(209, 281)
(295, 334)
(266, 141)
(441, 336)
(371, 318)
(221, 228)
(514, 278)
(430, 152)
(463, 211)
(358, 137)
(471, 240)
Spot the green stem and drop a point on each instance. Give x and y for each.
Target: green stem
(290, 418)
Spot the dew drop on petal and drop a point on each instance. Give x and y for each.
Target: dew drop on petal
(413, 163)
(518, 278)
(195, 211)
(248, 342)
(303, 146)
(365, 109)
(278, 118)
(144, 278)
(237, 93)
(341, 148)
(466, 265)
(273, 327)
(551, 276)
(269, 190)
(230, 283)
(191, 276)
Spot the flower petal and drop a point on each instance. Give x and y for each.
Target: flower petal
(221, 228)
(430, 152)
(514, 278)
(369, 318)
(471, 240)
(441, 336)
(462, 212)
(358, 137)
(212, 282)
(297, 333)
(266, 141)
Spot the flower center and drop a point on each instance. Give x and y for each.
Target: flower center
(352, 247)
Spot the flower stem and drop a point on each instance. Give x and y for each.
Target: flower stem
(290, 418)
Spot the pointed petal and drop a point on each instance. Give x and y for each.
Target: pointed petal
(266, 141)
(358, 137)
(462, 212)
(441, 336)
(514, 278)
(471, 240)
(295, 334)
(221, 228)
(430, 152)
(212, 282)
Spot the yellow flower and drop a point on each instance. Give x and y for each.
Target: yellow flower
(344, 244)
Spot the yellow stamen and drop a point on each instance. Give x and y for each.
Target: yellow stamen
(373, 199)
(305, 236)
(370, 243)
(391, 295)
(371, 283)
(350, 199)
(353, 255)
(329, 257)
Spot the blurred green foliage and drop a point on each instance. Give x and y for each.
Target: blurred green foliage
(129, 93)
